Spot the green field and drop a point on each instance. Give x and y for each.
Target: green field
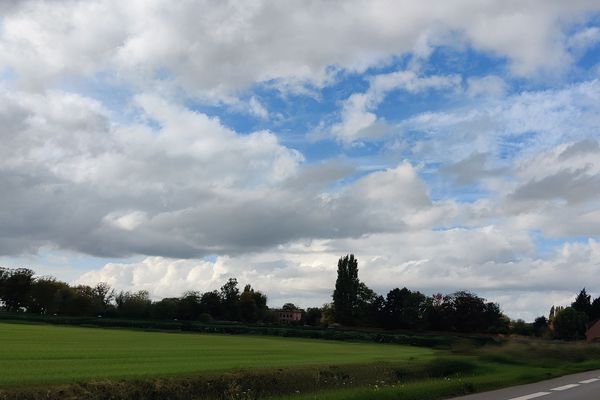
(57, 362)
(44, 354)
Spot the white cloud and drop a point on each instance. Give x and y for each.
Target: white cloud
(358, 119)
(257, 109)
(557, 191)
(524, 123)
(584, 38)
(173, 185)
(182, 186)
(218, 48)
(487, 86)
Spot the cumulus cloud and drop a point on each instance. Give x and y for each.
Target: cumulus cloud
(180, 184)
(232, 45)
(557, 191)
(156, 178)
(71, 177)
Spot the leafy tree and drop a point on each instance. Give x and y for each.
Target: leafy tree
(248, 307)
(464, 312)
(103, 296)
(312, 316)
(189, 307)
(583, 303)
(230, 293)
(3, 277)
(540, 326)
(212, 304)
(370, 306)
(570, 324)
(327, 313)
(260, 300)
(595, 310)
(289, 307)
(166, 308)
(403, 309)
(46, 295)
(469, 312)
(435, 315)
(520, 327)
(493, 319)
(84, 301)
(345, 295)
(16, 287)
(133, 305)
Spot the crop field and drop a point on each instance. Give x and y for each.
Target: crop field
(45, 354)
(56, 362)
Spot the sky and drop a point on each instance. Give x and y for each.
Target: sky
(167, 146)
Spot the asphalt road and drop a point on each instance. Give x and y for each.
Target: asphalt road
(583, 386)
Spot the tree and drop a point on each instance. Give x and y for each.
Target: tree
(493, 319)
(260, 300)
(230, 294)
(345, 295)
(16, 288)
(103, 296)
(468, 312)
(435, 316)
(3, 277)
(312, 316)
(248, 307)
(212, 304)
(464, 312)
(520, 327)
(84, 301)
(166, 308)
(327, 313)
(133, 305)
(45, 295)
(595, 310)
(570, 324)
(583, 303)
(369, 307)
(540, 326)
(189, 307)
(403, 309)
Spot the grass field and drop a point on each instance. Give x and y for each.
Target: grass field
(57, 362)
(43, 354)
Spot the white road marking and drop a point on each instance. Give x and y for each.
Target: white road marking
(531, 396)
(566, 387)
(590, 380)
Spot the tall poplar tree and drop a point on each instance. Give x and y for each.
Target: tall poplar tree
(345, 295)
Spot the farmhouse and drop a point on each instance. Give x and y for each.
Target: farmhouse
(593, 332)
(288, 315)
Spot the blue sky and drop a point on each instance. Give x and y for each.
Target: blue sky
(449, 146)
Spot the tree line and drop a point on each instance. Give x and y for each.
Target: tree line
(22, 291)
(354, 304)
